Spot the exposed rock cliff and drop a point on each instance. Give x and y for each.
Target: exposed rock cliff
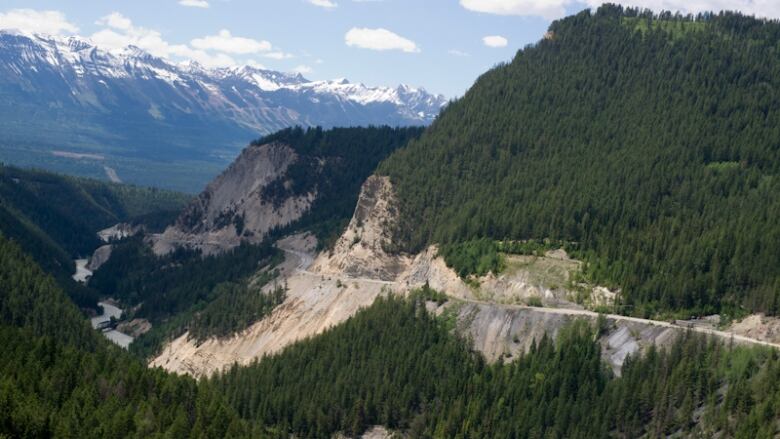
(99, 257)
(360, 251)
(233, 207)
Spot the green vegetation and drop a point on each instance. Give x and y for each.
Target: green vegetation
(428, 294)
(625, 143)
(70, 210)
(482, 256)
(59, 378)
(478, 257)
(394, 365)
(212, 295)
(532, 247)
(335, 163)
(235, 307)
(55, 218)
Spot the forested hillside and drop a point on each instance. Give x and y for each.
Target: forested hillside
(55, 218)
(392, 364)
(70, 210)
(214, 295)
(397, 366)
(648, 143)
(335, 163)
(59, 378)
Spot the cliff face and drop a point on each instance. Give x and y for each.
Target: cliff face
(233, 207)
(360, 251)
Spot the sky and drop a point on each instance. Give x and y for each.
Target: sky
(441, 45)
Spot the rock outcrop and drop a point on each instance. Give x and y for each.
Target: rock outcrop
(233, 207)
(503, 332)
(99, 257)
(321, 292)
(360, 251)
(119, 231)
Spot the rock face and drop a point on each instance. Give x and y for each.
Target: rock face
(360, 251)
(321, 292)
(233, 208)
(502, 333)
(99, 257)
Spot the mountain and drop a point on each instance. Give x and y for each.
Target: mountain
(647, 145)
(289, 180)
(375, 335)
(69, 105)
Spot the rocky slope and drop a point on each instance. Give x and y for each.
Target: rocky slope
(360, 251)
(233, 208)
(326, 289)
(72, 100)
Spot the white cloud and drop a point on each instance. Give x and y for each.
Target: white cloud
(549, 9)
(495, 41)
(43, 22)
(302, 69)
(278, 55)
(455, 52)
(255, 64)
(328, 4)
(379, 39)
(116, 21)
(194, 3)
(120, 33)
(553, 9)
(224, 41)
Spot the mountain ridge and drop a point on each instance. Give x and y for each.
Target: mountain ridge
(165, 124)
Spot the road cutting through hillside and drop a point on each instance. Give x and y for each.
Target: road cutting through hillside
(305, 260)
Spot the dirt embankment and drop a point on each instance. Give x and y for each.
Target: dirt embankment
(314, 303)
(759, 327)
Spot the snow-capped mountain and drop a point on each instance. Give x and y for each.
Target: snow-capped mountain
(66, 93)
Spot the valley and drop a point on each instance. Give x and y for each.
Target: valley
(123, 114)
(583, 245)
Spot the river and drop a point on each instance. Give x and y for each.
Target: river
(109, 311)
(82, 275)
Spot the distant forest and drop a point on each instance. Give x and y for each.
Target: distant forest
(649, 143)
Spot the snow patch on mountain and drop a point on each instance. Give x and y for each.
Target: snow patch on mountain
(83, 58)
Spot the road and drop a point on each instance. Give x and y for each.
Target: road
(306, 259)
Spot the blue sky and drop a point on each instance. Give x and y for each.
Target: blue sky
(442, 45)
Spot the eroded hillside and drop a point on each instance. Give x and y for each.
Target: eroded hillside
(325, 289)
